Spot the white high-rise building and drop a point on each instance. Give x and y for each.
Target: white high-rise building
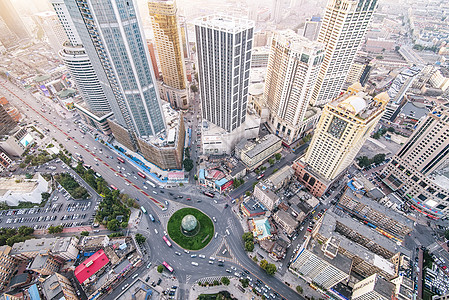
(343, 29)
(49, 23)
(75, 58)
(224, 46)
(293, 66)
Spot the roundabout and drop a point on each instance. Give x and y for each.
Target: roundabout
(190, 228)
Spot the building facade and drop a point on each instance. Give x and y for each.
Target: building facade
(224, 47)
(373, 287)
(12, 19)
(343, 128)
(342, 31)
(7, 266)
(268, 198)
(168, 41)
(255, 154)
(112, 35)
(293, 66)
(414, 172)
(57, 286)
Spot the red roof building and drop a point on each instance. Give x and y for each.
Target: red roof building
(91, 266)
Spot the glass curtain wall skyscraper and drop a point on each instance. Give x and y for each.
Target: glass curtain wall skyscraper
(343, 29)
(112, 35)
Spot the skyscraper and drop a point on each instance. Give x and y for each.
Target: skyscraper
(415, 171)
(49, 22)
(345, 124)
(342, 30)
(224, 46)
(12, 19)
(78, 62)
(293, 65)
(168, 41)
(112, 36)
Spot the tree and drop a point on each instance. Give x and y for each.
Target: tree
(249, 246)
(247, 236)
(278, 156)
(299, 289)
(244, 282)
(195, 177)
(140, 239)
(45, 196)
(378, 158)
(194, 88)
(446, 234)
(271, 161)
(24, 230)
(271, 269)
(160, 268)
(363, 161)
(113, 225)
(263, 264)
(216, 282)
(188, 164)
(84, 233)
(248, 193)
(55, 229)
(225, 280)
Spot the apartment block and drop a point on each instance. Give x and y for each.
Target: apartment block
(256, 153)
(373, 288)
(7, 266)
(265, 196)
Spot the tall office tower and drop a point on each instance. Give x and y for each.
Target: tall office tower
(50, 24)
(168, 41)
(12, 19)
(224, 46)
(7, 38)
(77, 61)
(343, 28)
(276, 11)
(184, 36)
(345, 124)
(417, 171)
(112, 36)
(293, 65)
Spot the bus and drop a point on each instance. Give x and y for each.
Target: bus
(143, 209)
(97, 175)
(113, 187)
(150, 183)
(166, 241)
(164, 263)
(151, 218)
(209, 194)
(141, 175)
(121, 160)
(260, 176)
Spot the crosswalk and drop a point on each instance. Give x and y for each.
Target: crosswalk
(211, 279)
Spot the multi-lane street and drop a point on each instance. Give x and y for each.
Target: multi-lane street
(124, 176)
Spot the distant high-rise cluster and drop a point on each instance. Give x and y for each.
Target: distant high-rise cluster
(12, 20)
(224, 47)
(343, 28)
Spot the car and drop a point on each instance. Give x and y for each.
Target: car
(186, 251)
(193, 255)
(145, 187)
(188, 199)
(202, 256)
(211, 262)
(178, 253)
(149, 265)
(215, 220)
(194, 263)
(229, 271)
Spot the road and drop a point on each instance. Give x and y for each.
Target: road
(99, 156)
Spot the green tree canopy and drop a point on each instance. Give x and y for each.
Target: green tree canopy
(160, 268)
(188, 164)
(140, 239)
(299, 289)
(247, 236)
(55, 229)
(249, 246)
(278, 156)
(113, 225)
(271, 269)
(263, 264)
(225, 280)
(45, 196)
(84, 233)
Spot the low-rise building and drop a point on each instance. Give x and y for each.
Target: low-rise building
(45, 265)
(16, 142)
(265, 196)
(64, 248)
(251, 208)
(93, 243)
(5, 161)
(255, 154)
(260, 228)
(91, 266)
(17, 189)
(279, 179)
(57, 287)
(373, 287)
(286, 221)
(321, 265)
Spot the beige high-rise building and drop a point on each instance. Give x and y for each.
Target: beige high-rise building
(293, 66)
(418, 171)
(168, 41)
(345, 124)
(343, 29)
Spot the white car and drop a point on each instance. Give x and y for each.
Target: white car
(194, 263)
(155, 231)
(145, 187)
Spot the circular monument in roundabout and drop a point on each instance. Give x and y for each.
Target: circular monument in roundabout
(190, 228)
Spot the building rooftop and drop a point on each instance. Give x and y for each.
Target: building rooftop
(52, 288)
(287, 218)
(253, 206)
(260, 146)
(340, 261)
(415, 110)
(262, 228)
(225, 23)
(91, 265)
(329, 223)
(41, 246)
(281, 175)
(39, 262)
(270, 194)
